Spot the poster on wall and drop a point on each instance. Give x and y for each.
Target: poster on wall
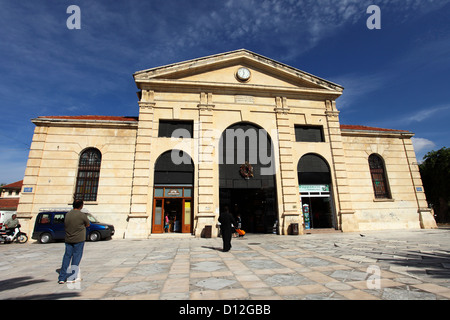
(306, 218)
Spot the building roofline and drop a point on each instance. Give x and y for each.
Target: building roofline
(90, 118)
(17, 185)
(244, 53)
(373, 130)
(86, 120)
(126, 119)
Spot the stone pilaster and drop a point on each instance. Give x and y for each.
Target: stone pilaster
(205, 165)
(425, 214)
(290, 211)
(346, 215)
(26, 204)
(139, 219)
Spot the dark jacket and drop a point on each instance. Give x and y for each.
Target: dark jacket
(226, 219)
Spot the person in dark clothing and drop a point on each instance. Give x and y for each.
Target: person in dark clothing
(226, 220)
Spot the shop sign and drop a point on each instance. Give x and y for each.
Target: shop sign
(304, 188)
(173, 193)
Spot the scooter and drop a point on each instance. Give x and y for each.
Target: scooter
(17, 236)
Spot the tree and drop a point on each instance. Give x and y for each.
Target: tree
(435, 172)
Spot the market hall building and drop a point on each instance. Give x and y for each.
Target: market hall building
(234, 130)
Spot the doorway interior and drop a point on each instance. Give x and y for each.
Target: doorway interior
(173, 210)
(247, 180)
(175, 203)
(256, 207)
(315, 190)
(320, 212)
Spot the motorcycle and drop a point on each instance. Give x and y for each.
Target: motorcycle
(17, 236)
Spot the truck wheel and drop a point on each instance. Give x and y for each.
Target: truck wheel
(94, 236)
(45, 238)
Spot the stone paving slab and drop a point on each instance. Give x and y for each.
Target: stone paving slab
(387, 265)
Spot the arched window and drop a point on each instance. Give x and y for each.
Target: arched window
(167, 172)
(313, 169)
(88, 175)
(378, 174)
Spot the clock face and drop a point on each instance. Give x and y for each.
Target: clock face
(243, 74)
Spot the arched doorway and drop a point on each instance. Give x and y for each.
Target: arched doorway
(173, 193)
(247, 182)
(315, 190)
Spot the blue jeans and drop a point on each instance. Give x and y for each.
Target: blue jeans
(74, 252)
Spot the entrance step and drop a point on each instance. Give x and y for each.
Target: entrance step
(321, 231)
(170, 235)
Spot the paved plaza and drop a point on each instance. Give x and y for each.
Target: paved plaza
(386, 265)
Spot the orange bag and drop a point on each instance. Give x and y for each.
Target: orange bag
(240, 232)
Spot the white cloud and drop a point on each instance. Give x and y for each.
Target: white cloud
(425, 114)
(422, 146)
(416, 116)
(293, 27)
(358, 86)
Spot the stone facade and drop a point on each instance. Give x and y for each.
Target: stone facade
(209, 93)
(407, 207)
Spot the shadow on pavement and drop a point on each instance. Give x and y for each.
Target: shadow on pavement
(212, 248)
(434, 264)
(50, 296)
(14, 283)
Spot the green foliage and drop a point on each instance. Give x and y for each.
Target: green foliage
(435, 172)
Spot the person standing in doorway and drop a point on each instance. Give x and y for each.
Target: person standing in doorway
(75, 224)
(238, 226)
(166, 223)
(226, 221)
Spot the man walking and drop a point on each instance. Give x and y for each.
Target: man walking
(75, 224)
(226, 219)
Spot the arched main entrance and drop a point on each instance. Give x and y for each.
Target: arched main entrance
(315, 190)
(247, 179)
(173, 192)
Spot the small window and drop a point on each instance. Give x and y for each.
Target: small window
(159, 192)
(58, 218)
(309, 133)
(167, 127)
(45, 219)
(378, 174)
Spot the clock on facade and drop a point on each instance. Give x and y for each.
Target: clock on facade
(243, 74)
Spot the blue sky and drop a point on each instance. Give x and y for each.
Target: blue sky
(396, 77)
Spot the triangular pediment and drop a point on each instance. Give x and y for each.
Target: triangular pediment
(221, 70)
